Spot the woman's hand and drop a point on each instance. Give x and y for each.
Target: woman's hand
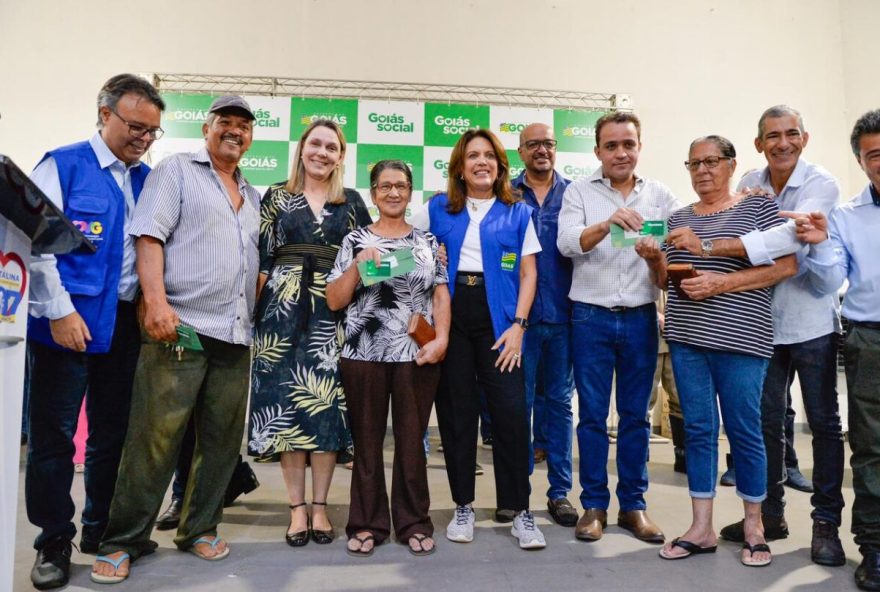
(441, 255)
(367, 254)
(432, 352)
(648, 249)
(705, 285)
(511, 356)
(684, 239)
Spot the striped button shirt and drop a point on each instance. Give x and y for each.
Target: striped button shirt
(605, 275)
(211, 257)
(737, 321)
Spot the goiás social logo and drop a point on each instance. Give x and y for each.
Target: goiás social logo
(264, 119)
(258, 162)
(337, 118)
(187, 115)
(391, 122)
(13, 285)
(442, 165)
(454, 126)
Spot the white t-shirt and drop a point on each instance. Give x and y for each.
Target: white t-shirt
(471, 257)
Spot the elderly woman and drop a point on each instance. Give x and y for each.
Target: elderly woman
(380, 361)
(491, 242)
(298, 407)
(720, 336)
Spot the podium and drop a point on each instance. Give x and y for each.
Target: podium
(29, 224)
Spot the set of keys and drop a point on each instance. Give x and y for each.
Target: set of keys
(178, 349)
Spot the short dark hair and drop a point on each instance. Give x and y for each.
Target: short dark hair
(779, 111)
(869, 123)
(725, 146)
(123, 84)
(619, 117)
(383, 165)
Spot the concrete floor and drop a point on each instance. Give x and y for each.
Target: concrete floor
(261, 561)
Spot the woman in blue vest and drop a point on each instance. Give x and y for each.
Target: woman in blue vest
(491, 242)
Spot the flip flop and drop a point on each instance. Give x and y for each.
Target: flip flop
(362, 540)
(420, 539)
(114, 579)
(213, 544)
(691, 548)
(760, 548)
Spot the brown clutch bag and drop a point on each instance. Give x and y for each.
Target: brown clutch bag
(678, 272)
(420, 329)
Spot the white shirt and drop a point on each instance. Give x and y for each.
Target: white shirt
(605, 275)
(471, 257)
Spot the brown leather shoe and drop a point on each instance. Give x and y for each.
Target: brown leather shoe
(638, 523)
(590, 525)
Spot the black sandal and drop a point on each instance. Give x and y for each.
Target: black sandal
(322, 537)
(359, 552)
(296, 539)
(420, 539)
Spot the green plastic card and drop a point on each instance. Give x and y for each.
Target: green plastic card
(188, 339)
(393, 264)
(627, 238)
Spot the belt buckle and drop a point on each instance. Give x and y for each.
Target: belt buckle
(471, 280)
(617, 308)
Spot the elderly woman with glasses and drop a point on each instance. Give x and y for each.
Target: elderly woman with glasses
(720, 336)
(382, 362)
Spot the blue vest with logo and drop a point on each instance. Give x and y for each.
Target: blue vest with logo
(502, 232)
(96, 205)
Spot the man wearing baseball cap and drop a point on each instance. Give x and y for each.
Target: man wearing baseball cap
(196, 228)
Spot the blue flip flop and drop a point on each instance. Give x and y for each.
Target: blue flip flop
(222, 555)
(114, 579)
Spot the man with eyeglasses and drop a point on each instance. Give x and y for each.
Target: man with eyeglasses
(806, 327)
(83, 334)
(547, 354)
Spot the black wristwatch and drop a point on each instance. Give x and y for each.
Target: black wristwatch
(524, 323)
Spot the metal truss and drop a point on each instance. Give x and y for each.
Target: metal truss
(392, 91)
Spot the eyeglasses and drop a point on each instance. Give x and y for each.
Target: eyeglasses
(137, 130)
(710, 161)
(385, 188)
(533, 145)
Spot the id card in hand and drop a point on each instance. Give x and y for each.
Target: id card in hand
(392, 265)
(188, 339)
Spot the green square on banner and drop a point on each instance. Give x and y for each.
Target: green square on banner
(369, 154)
(341, 111)
(575, 130)
(265, 163)
(516, 164)
(445, 123)
(185, 114)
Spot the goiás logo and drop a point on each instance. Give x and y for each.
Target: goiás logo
(512, 128)
(13, 285)
(187, 115)
(264, 119)
(577, 172)
(393, 122)
(336, 118)
(576, 131)
(258, 162)
(442, 165)
(454, 126)
(92, 229)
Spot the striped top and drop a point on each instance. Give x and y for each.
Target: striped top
(737, 322)
(211, 257)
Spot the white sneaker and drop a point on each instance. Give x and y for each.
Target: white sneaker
(525, 530)
(461, 527)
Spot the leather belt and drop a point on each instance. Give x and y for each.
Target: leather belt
(469, 279)
(866, 324)
(625, 308)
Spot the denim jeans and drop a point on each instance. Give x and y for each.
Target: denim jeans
(605, 342)
(548, 346)
(59, 380)
(701, 375)
(815, 362)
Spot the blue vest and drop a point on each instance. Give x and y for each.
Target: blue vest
(501, 237)
(96, 205)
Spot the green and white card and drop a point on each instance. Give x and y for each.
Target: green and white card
(393, 264)
(627, 238)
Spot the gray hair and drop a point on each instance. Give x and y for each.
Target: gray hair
(725, 146)
(779, 111)
(123, 84)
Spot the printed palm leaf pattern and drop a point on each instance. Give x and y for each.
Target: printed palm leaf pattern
(284, 284)
(293, 439)
(324, 345)
(266, 423)
(314, 392)
(269, 349)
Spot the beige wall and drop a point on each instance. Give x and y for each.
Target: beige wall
(691, 66)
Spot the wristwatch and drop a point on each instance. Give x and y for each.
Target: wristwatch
(524, 323)
(706, 248)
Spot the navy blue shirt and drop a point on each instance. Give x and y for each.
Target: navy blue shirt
(554, 271)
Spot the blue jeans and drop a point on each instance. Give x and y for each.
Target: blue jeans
(547, 345)
(815, 362)
(701, 374)
(605, 342)
(58, 382)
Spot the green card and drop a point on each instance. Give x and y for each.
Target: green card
(188, 339)
(627, 238)
(393, 264)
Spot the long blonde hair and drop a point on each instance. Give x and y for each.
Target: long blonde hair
(297, 180)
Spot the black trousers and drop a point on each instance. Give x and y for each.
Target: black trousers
(469, 364)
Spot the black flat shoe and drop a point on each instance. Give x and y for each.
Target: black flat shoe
(322, 537)
(299, 538)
